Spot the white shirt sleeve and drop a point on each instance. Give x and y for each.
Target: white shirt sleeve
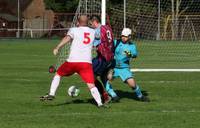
(71, 33)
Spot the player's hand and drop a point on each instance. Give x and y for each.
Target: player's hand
(128, 53)
(55, 51)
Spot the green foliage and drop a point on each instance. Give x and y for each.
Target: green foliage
(115, 2)
(61, 5)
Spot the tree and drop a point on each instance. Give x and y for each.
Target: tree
(177, 10)
(61, 5)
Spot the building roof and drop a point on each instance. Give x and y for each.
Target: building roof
(8, 17)
(11, 5)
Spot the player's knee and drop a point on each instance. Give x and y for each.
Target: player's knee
(131, 82)
(90, 85)
(110, 75)
(57, 75)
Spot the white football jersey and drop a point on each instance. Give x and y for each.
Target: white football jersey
(81, 47)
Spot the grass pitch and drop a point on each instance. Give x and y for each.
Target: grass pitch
(24, 77)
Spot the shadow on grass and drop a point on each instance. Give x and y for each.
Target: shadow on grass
(120, 93)
(78, 101)
(129, 95)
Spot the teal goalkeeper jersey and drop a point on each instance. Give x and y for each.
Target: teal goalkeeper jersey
(122, 60)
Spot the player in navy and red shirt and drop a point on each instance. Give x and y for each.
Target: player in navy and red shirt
(103, 61)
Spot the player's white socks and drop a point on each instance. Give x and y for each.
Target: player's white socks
(96, 95)
(54, 85)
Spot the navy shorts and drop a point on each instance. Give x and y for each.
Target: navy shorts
(99, 66)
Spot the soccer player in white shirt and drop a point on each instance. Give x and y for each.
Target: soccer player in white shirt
(79, 60)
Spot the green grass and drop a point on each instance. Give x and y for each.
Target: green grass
(24, 77)
(168, 54)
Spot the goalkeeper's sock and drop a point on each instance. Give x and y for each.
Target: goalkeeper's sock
(138, 91)
(54, 85)
(110, 90)
(96, 95)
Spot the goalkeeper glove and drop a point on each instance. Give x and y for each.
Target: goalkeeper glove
(128, 53)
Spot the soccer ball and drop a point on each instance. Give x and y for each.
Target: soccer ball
(73, 91)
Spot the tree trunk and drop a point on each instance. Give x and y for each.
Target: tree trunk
(173, 19)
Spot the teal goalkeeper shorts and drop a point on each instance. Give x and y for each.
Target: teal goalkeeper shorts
(123, 73)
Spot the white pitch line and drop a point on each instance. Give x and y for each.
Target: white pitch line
(165, 70)
(167, 81)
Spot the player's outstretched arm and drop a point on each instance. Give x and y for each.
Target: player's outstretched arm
(64, 41)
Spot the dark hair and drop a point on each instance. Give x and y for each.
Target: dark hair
(95, 18)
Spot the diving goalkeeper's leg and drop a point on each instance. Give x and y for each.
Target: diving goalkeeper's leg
(111, 92)
(107, 80)
(131, 82)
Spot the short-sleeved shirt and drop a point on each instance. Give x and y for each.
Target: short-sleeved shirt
(81, 47)
(97, 39)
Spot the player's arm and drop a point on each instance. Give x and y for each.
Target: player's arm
(133, 51)
(64, 41)
(97, 39)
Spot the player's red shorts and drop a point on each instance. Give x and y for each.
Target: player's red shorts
(84, 69)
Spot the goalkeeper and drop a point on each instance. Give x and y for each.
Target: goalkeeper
(124, 51)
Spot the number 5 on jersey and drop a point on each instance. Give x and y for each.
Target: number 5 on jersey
(86, 38)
